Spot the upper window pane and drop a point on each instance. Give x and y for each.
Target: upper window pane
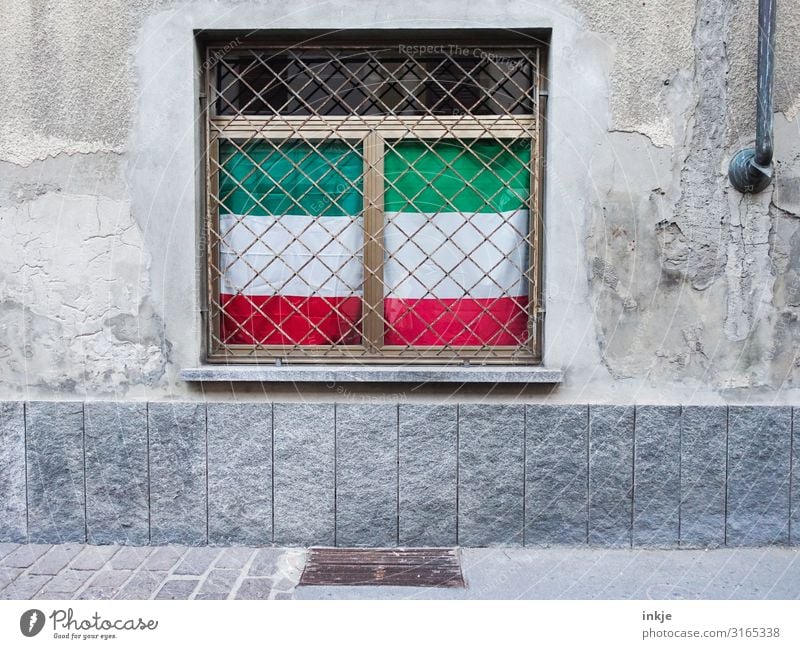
(399, 81)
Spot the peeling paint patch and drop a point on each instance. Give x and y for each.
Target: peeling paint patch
(74, 297)
(653, 49)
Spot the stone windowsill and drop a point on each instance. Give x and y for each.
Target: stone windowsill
(372, 374)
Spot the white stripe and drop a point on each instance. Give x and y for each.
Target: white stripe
(456, 254)
(291, 255)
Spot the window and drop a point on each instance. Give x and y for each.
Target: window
(373, 204)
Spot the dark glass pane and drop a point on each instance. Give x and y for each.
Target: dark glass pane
(357, 82)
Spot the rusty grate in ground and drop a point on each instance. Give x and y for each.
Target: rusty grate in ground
(437, 567)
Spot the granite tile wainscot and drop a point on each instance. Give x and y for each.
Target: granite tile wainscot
(388, 474)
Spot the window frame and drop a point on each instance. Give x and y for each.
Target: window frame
(371, 132)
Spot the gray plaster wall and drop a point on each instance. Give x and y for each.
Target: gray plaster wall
(662, 285)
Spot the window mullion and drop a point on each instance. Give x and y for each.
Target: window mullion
(373, 241)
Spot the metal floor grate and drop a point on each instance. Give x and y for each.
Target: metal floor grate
(433, 567)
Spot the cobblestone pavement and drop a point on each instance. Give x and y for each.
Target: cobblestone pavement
(73, 571)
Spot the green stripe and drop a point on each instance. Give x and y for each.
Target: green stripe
(477, 176)
(263, 178)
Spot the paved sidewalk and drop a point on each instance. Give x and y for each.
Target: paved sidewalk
(167, 572)
(591, 573)
(175, 572)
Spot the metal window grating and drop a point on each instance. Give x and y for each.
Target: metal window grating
(375, 205)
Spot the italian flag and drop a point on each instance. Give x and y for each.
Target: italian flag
(457, 254)
(291, 243)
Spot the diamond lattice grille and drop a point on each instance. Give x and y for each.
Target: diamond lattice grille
(372, 204)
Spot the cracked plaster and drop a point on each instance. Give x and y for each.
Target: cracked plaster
(658, 274)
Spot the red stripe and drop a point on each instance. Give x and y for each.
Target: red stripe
(456, 321)
(293, 320)
(289, 320)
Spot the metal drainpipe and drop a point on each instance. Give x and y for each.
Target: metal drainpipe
(750, 170)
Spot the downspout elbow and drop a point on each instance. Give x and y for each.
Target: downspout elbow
(751, 170)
